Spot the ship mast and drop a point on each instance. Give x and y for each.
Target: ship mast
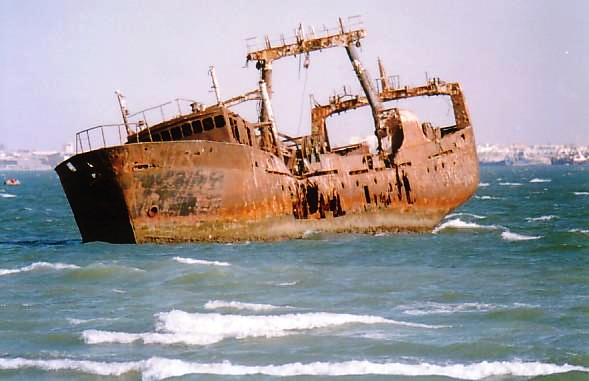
(349, 39)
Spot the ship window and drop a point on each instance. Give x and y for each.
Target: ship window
(366, 194)
(166, 136)
(249, 136)
(156, 137)
(186, 129)
(219, 121)
(176, 133)
(197, 126)
(208, 124)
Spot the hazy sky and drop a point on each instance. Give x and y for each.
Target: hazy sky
(524, 65)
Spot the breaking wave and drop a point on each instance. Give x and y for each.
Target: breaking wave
(287, 284)
(434, 308)
(509, 236)
(215, 304)
(39, 266)
(583, 231)
(483, 184)
(478, 217)
(457, 223)
(74, 321)
(190, 261)
(581, 193)
(179, 327)
(7, 195)
(488, 198)
(538, 180)
(541, 218)
(510, 184)
(156, 368)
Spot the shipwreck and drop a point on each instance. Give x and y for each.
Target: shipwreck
(208, 174)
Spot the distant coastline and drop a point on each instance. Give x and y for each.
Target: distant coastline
(547, 154)
(489, 154)
(33, 160)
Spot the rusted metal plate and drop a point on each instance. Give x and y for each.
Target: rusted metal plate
(210, 175)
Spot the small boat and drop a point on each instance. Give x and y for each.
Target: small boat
(12, 181)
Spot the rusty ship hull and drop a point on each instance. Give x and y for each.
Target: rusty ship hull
(211, 175)
(213, 191)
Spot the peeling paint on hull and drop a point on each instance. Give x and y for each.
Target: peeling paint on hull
(186, 191)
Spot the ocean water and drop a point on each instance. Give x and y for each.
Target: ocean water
(499, 291)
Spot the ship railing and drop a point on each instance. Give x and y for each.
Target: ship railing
(353, 23)
(105, 135)
(164, 112)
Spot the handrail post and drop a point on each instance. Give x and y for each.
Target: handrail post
(88, 137)
(103, 139)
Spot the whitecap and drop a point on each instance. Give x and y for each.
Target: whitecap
(84, 366)
(432, 308)
(7, 195)
(583, 231)
(483, 184)
(510, 184)
(541, 218)
(488, 197)
(477, 216)
(74, 321)
(216, 304)
(581, 193)
(287, 284)
(179, 327)
(157, 368)
(457, 223)
(39, 266)
(509, 236)
(190, 261)
(538, 180)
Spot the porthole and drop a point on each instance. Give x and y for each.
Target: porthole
(152, 211)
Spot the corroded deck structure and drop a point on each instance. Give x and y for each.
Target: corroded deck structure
(211, 175)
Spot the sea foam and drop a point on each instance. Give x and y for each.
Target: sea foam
(179, 327)
(542, 218)
(485, 197)
(156, 368)
(478, 217)
(190, 261)
(510, 184)
(509, 236)
(538, 180)
(7, 195)
(581, 193)
(583, 231)
(457, 223)
(432, 308)
(216, 304)
(39, 266)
